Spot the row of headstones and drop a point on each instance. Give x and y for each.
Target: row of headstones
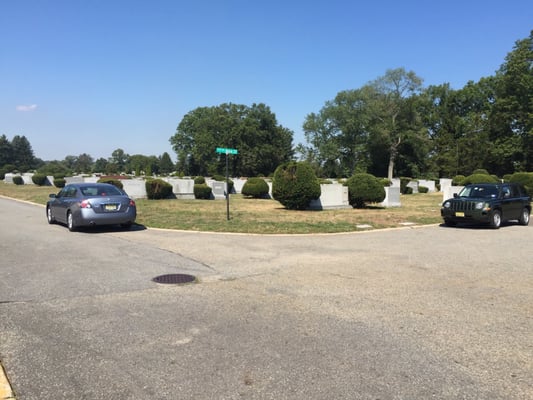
(333, 195)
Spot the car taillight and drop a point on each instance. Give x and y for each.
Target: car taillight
(132, 203)
(85, 204)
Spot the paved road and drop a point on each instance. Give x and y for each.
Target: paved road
(419, 313)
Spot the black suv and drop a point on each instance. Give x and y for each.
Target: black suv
(488, 203)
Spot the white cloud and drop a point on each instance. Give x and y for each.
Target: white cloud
(31, 107)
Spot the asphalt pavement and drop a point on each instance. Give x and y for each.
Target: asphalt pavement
(408, 313)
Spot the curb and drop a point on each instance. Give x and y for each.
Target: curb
(6, 393)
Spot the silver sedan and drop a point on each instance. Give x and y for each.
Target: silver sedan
(91, 204)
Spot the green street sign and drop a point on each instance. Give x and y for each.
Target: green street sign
(226, 151)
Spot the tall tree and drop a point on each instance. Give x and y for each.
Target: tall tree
(393, 114)
(6, 151)
(23, 156)
(338, 134)
(84, 163)
(511, 122)
(118, 160)
(262, 143)
(166, 166)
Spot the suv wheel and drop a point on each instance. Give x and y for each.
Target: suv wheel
(496, 219)
(524, 217)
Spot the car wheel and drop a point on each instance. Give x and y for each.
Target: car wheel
(524, 217)
(70, 222)
(496, 219)
(49, 216)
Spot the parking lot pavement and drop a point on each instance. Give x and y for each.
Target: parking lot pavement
(412, 313)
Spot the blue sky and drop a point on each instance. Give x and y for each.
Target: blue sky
(80, 76)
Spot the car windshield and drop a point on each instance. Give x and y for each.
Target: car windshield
(486, 192)
(98, 190)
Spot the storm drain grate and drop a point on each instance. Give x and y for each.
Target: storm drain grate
(175, 279)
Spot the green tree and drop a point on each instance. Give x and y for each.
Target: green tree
(84, 163)
(262, 143)
(23, 156)
(338, 134)
(166, 166)
(6, 151)
(119, 159)
(394, 118)
(511, 120)
(100, 165)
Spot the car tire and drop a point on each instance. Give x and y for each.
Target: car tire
(70, 222)
(496, 219)
(524, 217)
(49, 216)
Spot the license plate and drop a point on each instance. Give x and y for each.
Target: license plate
(110, 207)
(459, 214)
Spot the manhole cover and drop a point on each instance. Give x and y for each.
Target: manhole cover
(175, 279)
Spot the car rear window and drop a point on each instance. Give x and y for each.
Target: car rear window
(100, 191)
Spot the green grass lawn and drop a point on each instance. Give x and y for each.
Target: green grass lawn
(260, 216)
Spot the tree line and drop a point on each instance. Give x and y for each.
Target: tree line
(390, 126)
(17, 156)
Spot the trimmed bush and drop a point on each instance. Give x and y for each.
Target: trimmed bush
(199, 180)
(364, 188)
(386, 182)
(295, 184)
(39, 179)
(203, 192)
(423, 189)
(479, 178)
(59, 182)
(480, 171)
(524, 178)
(17, 180)
(256, 188)
(458, 180)
(112, 181)
(157, 189)
(404, 181)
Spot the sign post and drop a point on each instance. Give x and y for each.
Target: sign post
(226, 151)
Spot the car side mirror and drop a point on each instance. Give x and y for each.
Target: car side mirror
(52, 196)
(455, 195)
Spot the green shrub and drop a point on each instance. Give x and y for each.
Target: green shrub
(59, 182)
(199, 180)
(386, 182)
(423, 189)
(364, 188)
(524, 178)
(112, 181)
(507, 177)
(295, 184)
(17, 180)
(39, 179)
(479, 178)
(256, 188)
(157, 189)
(458, 180)
(480, 171)
(408, 190)
(202, 191)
